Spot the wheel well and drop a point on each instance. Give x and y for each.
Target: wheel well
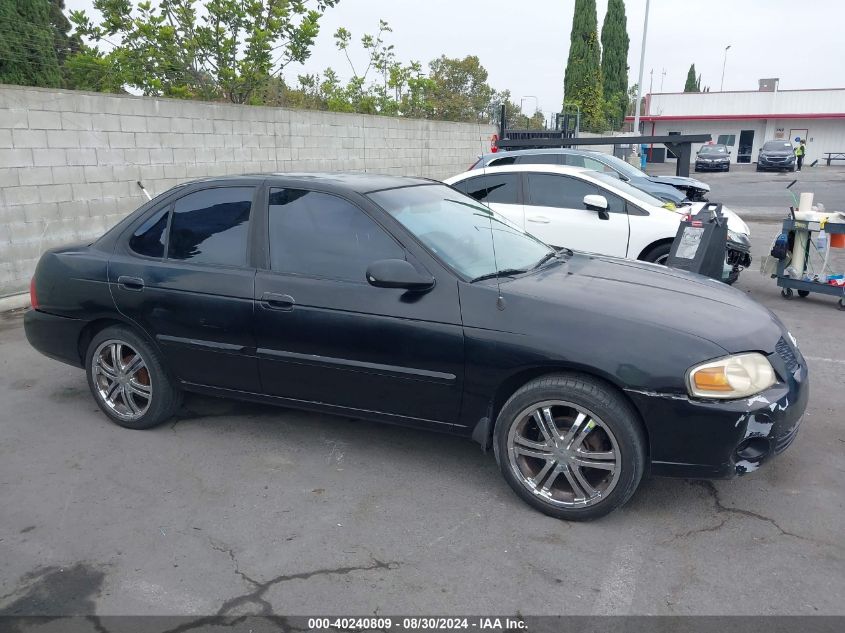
(656, 243)
(93, 328)
(513, 383)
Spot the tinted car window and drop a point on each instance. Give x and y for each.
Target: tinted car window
(505, 160)
(211, 226)
(492, 188)
(320, 235)
(539, 159)
(563, 192)
(149, 238)
(772, 146)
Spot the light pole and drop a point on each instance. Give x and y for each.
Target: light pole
(724, 63)
(640, 82)
(536, 104)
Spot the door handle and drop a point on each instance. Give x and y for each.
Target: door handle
(131, 283)
(277, 301)
(538, 219)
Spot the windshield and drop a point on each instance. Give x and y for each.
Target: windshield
(713, 149)
(624, 187)
(777, 145)
(621, 166)
(467, 236)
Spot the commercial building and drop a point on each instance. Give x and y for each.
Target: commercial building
(744, 120)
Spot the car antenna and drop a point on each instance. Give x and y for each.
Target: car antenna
(794, 199)
(500, 300)
(141, 187)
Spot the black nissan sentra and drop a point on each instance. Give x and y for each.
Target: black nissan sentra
(402, 300)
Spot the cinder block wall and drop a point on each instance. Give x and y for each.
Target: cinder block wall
(69, 161)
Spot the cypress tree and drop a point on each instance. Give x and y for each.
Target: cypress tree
(582, 83)
(614, 61)
(27, 44)
(693, 83)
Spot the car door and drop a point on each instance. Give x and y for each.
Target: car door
(326, 336)
(555, 213)
(499, 191)
(183, 276)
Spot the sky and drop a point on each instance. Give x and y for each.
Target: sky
(524, 44)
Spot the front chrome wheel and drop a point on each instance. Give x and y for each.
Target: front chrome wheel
(564, 454)
(121, 379)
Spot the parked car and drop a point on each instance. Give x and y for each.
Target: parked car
(548, 201)
(675, 189)
(778, 155)
(713, 157)
(401, 300)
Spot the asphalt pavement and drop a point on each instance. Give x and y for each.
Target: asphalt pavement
(237, 508)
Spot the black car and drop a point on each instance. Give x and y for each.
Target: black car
(713, 158)
(401, 300)
(778, 155)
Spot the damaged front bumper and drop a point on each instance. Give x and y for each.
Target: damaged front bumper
(723, 439)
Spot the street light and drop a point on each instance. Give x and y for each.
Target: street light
(536, 107)
(724, 63)
(640, 82)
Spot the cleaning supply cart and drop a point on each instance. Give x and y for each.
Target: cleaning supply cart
(806, 238)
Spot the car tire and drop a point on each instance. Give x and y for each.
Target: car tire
(135, 392)
(658, 254)
(583, 412)
(759, 168)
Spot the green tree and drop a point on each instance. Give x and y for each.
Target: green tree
(693, 83)
(460, 91)
(230, 49)
(614, 62)
(27, 45)
(583, 78)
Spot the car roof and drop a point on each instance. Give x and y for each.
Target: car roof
(553, 169)
(358, 182)
(547, 150)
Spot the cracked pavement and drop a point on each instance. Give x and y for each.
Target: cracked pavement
(237, 509)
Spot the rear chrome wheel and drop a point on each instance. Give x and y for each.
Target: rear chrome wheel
(122, 379)
(564, 454)
(126, 375)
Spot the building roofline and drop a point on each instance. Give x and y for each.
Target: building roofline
(736, 117)
(716, 92)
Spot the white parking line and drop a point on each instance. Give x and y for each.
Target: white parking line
(825, 360)
(617, 591)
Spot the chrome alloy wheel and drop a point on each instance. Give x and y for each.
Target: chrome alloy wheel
(564, 454)
(121, 379)
(662, 260)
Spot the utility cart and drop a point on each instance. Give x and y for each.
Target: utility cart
(801, 237)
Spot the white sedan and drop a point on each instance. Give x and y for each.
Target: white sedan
(592, 211)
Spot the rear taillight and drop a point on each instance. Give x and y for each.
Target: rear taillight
(33, 298)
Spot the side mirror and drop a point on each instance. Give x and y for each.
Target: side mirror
(397, 273)
(597, 203)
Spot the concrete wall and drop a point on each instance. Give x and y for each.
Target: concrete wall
(69, 160)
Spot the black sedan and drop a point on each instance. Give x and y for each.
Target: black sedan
(713, 157)
(402, 300)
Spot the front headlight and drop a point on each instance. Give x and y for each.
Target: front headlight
(738, 238)
(731, 377)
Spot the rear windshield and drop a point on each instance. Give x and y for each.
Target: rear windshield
(776, 145)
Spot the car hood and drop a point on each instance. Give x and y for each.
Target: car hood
(713, 156)
(776, 153)
(653, 295)
(680, 181)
